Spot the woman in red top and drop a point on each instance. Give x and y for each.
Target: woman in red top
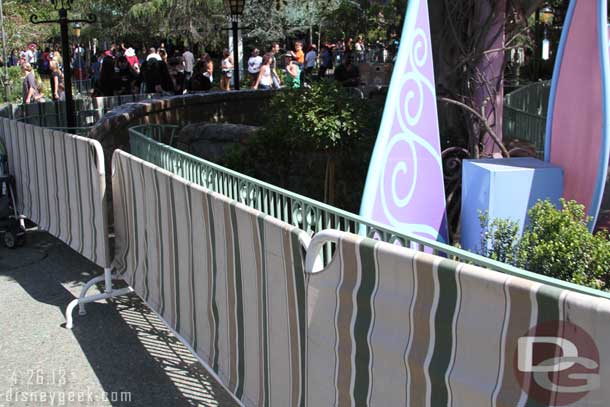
(130, 54)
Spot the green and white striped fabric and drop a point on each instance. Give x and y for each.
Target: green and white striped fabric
(228, 279)
(389, 326)
(60, 185)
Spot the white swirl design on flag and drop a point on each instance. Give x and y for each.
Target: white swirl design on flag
(405, 172)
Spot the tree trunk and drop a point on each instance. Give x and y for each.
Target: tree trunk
(468, 41)
(488, 92)
(330, 180)
(319, 36)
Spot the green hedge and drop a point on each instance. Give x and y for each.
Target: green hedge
(556, 243)
(316, 142)
(16, 84)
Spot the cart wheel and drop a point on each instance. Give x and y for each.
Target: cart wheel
(10, 240)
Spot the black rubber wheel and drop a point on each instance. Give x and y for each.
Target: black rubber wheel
(10, 240)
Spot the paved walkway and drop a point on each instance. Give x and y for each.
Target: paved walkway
(120, 354)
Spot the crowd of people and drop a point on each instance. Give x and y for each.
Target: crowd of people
(122, 70)
(48, 62)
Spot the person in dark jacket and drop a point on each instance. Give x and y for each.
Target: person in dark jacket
(155, 76)
(201, 79)
(177, 75)
(347, 74)
(125, 77)
(105, 86)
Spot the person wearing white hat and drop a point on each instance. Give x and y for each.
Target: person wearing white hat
(130, 54)
(152, 54)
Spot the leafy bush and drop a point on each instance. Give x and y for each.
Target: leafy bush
(16, 84)
(556, 243)
(499, 239)
(15, 79)
(310, 139)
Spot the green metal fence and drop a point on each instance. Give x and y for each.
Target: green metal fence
(525, 112)
(52, 114)
(57, 121)
(305, 213)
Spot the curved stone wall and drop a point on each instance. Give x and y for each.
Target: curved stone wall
(238, 107)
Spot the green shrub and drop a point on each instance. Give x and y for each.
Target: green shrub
(14, 79)
(316, 142)
(16, 84)
(499, 239)
(556, 243)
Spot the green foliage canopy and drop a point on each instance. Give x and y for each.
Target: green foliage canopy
(19, 32)
(140, 21)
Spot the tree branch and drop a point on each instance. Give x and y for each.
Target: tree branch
(481, 118)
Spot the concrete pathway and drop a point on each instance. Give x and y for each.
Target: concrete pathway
(120, 354)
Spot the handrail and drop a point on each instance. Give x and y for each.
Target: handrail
(523, 112)
(86, 105)
(527, 87)
(89, 111)
(303, 212)
(43, 119)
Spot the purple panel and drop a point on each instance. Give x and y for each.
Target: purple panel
(491, 67)
(577, 130)
(404, 188)
(603, 219)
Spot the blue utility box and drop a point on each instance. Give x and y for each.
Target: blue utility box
(505, 188)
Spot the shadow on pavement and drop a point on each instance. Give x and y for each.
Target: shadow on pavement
(136, 359)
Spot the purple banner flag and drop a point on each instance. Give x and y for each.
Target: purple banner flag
(404, 187)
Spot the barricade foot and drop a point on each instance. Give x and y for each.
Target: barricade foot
(107, 277)
(83, 299)
(83, 293)
(92, 298)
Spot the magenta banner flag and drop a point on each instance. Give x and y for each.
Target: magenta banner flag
(404, 188)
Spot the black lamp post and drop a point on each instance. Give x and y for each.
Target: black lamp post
(62, 7)
(544, 18)
(236, 10)
(547, 15)
(76, 29)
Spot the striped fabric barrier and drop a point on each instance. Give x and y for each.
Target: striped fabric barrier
(60, 185)
(389, 326)
(228, 279)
